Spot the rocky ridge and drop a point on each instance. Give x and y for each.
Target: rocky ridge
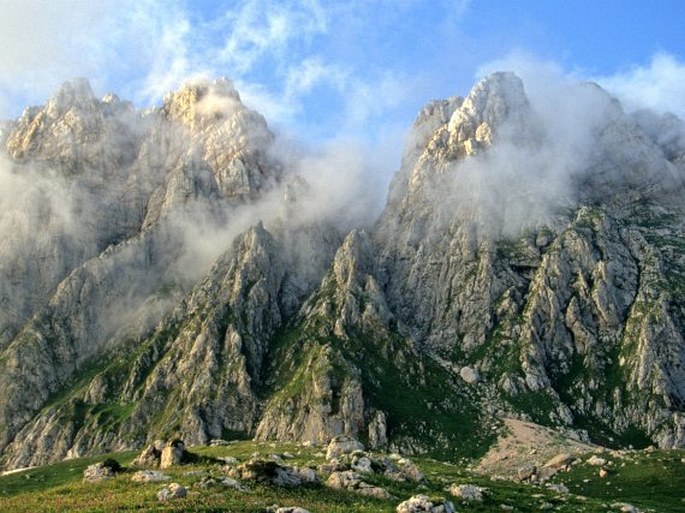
(418, 334)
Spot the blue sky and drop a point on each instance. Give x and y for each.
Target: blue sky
(324, 70)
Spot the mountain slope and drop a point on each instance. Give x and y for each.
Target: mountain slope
(526, 265)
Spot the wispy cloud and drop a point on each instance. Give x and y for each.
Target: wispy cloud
(659, 86)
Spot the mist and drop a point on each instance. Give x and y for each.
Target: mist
(145, 207)
(572, 143)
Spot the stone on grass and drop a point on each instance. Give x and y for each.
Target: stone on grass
(596, 461)
(97, 472)
(526, 472)
(271, 472)
(172, 492)
(470, 375)
(362, 464)
(342, 444)
(467, 492)
(351, 481)
(149, 476)
(218, 442)
(558, 487)
(559, 461)
(149, 458)
(421, 504)
(290, 509)
(173, 454)
(624, 507)
(410, 470)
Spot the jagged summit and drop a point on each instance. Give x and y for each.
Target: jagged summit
(528, 264)
(201, 99)
(71, 94)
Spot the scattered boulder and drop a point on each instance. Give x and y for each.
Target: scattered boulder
(229, 460)
(526, 472)
(173, 454)
(558, 487)
(271, 472)
(470, 375)
(228, 482)
(172, 492)
(342, 444)
(409, 470)
(421, 504)
(351, 481)
(294, 509)
(362, 464)
(596, 461)
(218, 442)
(149, 458)
(98, 472)
(559, 461)
(467, 492)
(149, 476)
(603, 473)
(624, 507)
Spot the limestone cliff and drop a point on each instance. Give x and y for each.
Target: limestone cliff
(522, 267)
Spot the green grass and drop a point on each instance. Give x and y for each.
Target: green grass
(651, 481)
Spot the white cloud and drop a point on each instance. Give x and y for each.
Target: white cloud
(660, 86)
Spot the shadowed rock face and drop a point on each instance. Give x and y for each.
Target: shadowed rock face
(512, 273)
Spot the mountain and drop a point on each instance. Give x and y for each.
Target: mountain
(167, 273)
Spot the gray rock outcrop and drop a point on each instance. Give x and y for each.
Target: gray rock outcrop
(522, 267)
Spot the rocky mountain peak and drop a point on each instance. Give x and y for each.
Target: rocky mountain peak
(75, 93)
(498, 103)
(492, 100)
(202, 100)
(453, 311)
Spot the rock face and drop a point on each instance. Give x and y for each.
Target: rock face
(159, 279)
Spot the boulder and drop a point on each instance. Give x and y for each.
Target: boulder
(362, 464)
(172, 492)
(149, 476)
(559, 461)
(558, 487)
(149, 458)
(467, 492)
(470, 375)
(421, 504)
(624, 507)
(228, 482)
(218, 442)
(526, 472)
(173, 454)
(271, 472)
(342, 444)
(351, 481)
(596, 461)
(291, 509)
(409, 470)
(98, 472)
